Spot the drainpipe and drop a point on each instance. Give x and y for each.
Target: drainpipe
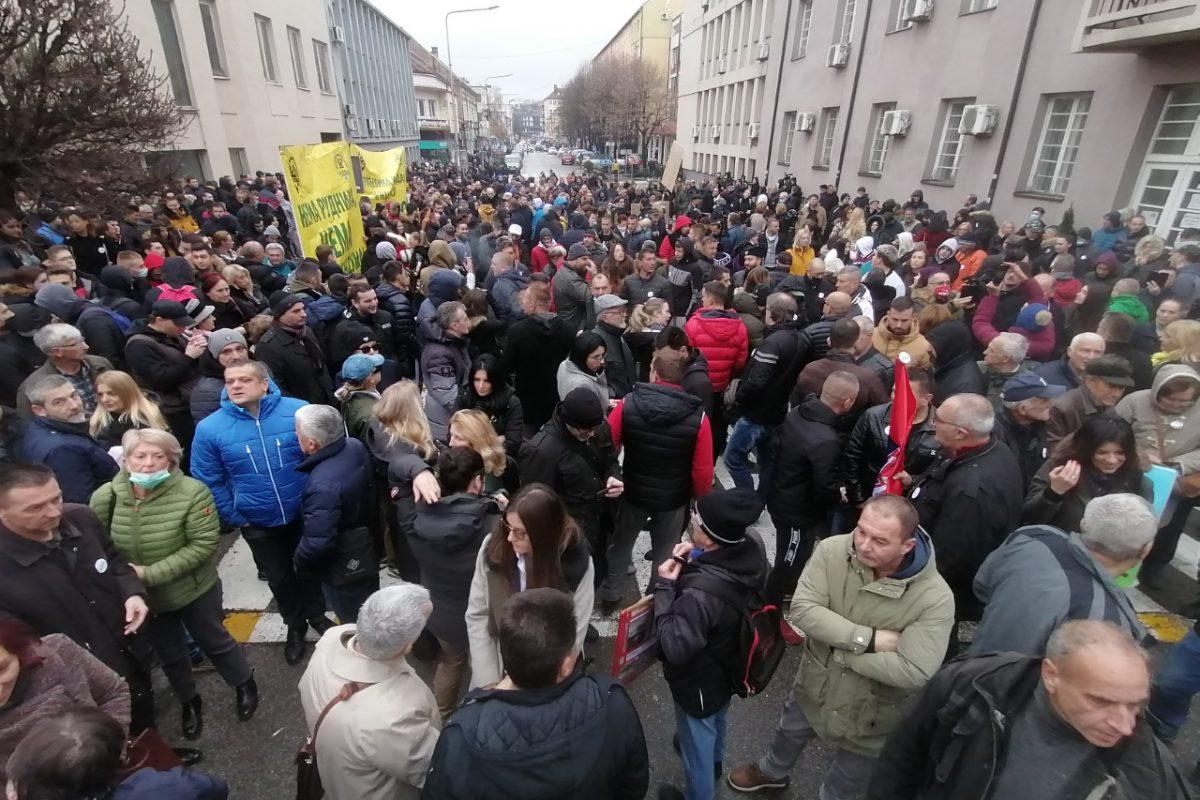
(1016, 95)
(787, 22)
(862, 50)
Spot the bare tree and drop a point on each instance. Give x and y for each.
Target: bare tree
(79, 105)
(616, 98)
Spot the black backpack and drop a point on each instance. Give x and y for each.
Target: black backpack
(760, 645)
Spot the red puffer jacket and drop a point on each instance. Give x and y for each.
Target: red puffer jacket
(720, 335)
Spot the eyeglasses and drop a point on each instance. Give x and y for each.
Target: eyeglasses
(512, 530)
(368, 348)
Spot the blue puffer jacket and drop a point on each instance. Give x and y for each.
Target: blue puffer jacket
(249, 464)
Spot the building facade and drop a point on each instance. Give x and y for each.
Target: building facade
(1086, 103)
(527, 119)
(248, 76)
(551, 124)
(724, 52)
(374, 73)
(646, 34)
(447, 108)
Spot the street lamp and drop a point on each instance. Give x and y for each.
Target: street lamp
(449, 60)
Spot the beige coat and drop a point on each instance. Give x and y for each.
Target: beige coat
(486, 665)
(1180, 432)
(376, 745)
(891, 346)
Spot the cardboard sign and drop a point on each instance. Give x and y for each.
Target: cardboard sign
(637, 644)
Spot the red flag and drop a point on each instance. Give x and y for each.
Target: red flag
(904, 408)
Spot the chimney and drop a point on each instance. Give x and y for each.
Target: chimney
(434, 51)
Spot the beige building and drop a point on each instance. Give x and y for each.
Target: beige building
(551, 123)
(447, 108)
(647, 33)
(248, 75)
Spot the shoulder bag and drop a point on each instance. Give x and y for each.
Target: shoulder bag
(308, 777)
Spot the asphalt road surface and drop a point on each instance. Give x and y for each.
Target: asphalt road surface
(535, 163)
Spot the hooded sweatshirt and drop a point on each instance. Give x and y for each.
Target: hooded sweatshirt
(1174, 438)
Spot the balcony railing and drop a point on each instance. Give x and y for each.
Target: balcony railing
(1130, 25)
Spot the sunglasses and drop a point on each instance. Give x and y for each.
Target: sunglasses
(368, 348)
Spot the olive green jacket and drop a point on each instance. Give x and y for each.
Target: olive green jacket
(853, 698)
(172, 534)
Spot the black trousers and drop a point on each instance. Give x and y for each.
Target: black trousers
(203, 618)
(299, 598)
(793, 546)
(1167, 538)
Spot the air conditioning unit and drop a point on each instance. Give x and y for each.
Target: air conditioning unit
(764, 51)
(805, 122)
(715, 132)
(752, 130)
(978, 120)
(338, 34)
(695, 133)
(722, 65)
(351, 124)
(838, 56)
(895, 123)
(348, 110)
(917, 10)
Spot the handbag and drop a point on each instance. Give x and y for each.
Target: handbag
(148, 749)
(308, 777)
(1187, 485)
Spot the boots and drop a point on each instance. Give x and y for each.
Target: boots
(293, 648)
(192, 718)
(247, 699)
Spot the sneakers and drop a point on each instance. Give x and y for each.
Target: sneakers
(790, 634)
(748, 779)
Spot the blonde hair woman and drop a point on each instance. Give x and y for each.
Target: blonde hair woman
(402, 448)
(243, 291)
(121, 406)
(165, 524)
(856, 225)
(646, 321)
(1180, 344)
(472, 428)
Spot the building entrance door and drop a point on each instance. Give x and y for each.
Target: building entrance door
(1168, 189)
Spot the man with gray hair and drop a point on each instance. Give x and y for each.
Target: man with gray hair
(337, 545)
(66, 355)
(58, 437)
(1072, 727)
(380, 723)
(1043, 576)
(1068, 370)
(1003, 360)
(971, 499)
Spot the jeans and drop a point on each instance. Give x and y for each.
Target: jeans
(203, 618)
(665, 530)
(746, 437)
(1177, 681)
(299, 598)
(701, 746)
(346, 600)
(848, 774)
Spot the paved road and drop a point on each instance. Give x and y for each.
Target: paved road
(536, 162)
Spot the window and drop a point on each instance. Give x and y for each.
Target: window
(266, 48)
(788, 133)
(803, 28)
(971, 6)
(829, 119)
(297, 52)
(1179, 126)
(844, 28)
(1063, 120)
(948, 148)
(168, 32)
(877, 144)
(896, 20)
(321, 54)
(212, 38)
(237, 158)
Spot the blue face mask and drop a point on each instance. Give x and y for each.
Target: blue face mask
(148, 480)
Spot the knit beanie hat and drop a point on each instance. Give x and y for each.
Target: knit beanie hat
(581, 408)
(725, 515)
(1034, 317)
(218, 340)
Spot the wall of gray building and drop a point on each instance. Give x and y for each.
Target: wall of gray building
(971, 56)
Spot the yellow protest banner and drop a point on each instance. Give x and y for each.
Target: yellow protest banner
(384, 174)
(320, 184)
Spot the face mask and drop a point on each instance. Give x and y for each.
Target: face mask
(148, 480)
(143, 272)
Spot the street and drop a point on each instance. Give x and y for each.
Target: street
(536, 163)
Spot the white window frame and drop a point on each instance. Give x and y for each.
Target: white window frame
(213, 40)
(875, 158)
(1064, 153)
(896, 21)
(973, 6)
(324, 68)
(947, 154)
(296, 49)
(789, 132)
(803, 29)
(829, 121)
(1176, 101)
(177, 79)
(266, 48)
(844, 29)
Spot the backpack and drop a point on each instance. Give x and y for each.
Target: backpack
(123, 322)
(180, 295)
(760, 645)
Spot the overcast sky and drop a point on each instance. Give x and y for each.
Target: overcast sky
(541, 43)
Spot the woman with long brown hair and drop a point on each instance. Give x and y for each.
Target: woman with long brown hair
(536, 545)
(618, 266)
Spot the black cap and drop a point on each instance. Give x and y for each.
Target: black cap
(285, 302)
(169, 309)
(581, 408)
(577, 251)
(725, 515)
(1110, 369)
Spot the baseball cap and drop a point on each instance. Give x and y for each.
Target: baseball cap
(358, 366)
(169, 309)
(1027, 386)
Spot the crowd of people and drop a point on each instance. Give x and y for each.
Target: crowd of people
(524, 373)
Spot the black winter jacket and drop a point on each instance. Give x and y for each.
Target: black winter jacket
(535, 347)
(1027, 443)
(159, 363)
(619, 364)
(771, 373)
(698, 632)
(969, 505)
(869, 446)
(659, 426)
(102, 334)
(953, 741)
(807, 482)
(338, 506)
(577, 471)
(579, 739)
(297, 364)
(397, 303)
(817, 335)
